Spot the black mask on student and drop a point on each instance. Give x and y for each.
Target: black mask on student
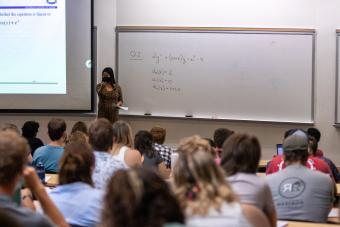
(106, 79)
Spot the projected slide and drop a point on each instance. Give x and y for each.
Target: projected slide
(32, 47)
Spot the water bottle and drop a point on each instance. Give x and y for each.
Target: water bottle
(40, 168)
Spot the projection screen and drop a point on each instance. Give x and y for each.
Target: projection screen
(46, 49)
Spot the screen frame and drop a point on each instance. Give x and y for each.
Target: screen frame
(93, 80)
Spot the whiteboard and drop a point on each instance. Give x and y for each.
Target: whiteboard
(252, 75)
(337, 85)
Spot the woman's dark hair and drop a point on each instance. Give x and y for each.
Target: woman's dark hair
(313, 145)
(76, 164)
(241, 153)
(221, 135)
(315, 133)
(143, 143)
(30, 129)
(139, 197)
(81, 127)
(109, 70)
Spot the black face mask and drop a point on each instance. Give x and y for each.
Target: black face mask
(106, 79)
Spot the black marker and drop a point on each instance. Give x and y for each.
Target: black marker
(188, 115)
(147, 114)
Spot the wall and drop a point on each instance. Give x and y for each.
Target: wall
(105, 20)
(319, 14)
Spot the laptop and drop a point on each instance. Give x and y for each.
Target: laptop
(279, 149)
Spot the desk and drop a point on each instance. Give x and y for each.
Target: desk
(261, 174)
(263, 163)
(52, 180)
(308, 224)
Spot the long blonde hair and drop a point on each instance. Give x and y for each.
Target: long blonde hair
(123, 136)
(199, 183)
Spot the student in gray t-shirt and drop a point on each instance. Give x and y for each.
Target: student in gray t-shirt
(298, 192)
(13, 156)
(240, 158)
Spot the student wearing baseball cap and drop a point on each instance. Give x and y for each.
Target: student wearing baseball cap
(298, 192)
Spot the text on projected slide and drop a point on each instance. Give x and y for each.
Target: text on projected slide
(32, 47)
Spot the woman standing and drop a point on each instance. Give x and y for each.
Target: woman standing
(110, 96)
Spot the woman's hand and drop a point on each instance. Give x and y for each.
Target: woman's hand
(119, 104)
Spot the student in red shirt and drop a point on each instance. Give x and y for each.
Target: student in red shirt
(313, 163)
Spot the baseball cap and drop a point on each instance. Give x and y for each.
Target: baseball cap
(297, 140)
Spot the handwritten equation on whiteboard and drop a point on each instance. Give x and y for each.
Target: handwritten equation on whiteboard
(163, 68)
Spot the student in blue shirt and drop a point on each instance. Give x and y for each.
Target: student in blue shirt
(50, 154)
(76, 197)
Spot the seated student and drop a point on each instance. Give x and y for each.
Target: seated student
(76, 197)
(151, 158)
(123, 147)
(221, 135)
(29, 131)
(139, 197)
(79, 131)
(213, 151)
(101, 139)
(8, 220)
(313, 163)
(13, 156)
(314, 151)
(80, 126)
(49, 155)
(240, 159)
(77, 136)
(204, 193)
(314, 132)
(158, 138)
(298, 192)
(10, 127)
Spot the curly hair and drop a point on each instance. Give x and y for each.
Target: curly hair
(143, 143)
(199, 183)
(139, 197)
(158, 134)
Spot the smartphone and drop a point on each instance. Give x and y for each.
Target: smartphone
(279, 149)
